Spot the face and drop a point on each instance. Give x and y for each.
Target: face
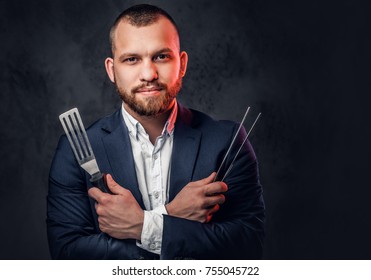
(147, 67)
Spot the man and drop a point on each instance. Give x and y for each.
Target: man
(160, 159)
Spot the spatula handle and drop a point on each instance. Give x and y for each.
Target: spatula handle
(101, 184)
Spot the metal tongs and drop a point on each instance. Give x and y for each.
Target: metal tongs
(80, 144)
(231, 145)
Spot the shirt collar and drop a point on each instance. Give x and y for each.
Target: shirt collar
(131, 123)
(134, 126)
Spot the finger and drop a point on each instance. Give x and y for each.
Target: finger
(211, 212)
(221, 198)
(113, 186)
(211, 201)
(98, 209)
(95, 193)
(216, 188)
(214, 209)
(206, 180)
(208, 218)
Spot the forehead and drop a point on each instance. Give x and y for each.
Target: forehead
(158, 35)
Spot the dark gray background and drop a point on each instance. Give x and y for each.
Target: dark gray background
(304, 64)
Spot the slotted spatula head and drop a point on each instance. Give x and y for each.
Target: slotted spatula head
(76, 134)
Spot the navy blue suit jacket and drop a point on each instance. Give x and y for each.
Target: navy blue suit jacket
(200, 143)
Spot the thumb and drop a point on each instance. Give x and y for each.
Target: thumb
(112, 185)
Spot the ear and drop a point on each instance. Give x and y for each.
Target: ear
(183, 63)
(108, 63)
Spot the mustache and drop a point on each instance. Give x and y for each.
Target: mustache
(158, 85)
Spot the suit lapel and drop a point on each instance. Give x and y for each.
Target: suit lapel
(118, 149)
(185, 151)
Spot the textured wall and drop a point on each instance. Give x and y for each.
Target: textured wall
(303, 64)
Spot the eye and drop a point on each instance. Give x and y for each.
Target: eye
(130, 60)
(161, 57)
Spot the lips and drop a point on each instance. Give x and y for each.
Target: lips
(149, 89)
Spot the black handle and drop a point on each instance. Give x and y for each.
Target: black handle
(101, 184)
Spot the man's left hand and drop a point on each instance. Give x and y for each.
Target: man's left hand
(119, 215)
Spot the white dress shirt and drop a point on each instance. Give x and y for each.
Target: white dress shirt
(152, 166)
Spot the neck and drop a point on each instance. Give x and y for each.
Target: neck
(153, 125)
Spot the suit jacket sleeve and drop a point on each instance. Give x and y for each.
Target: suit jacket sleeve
(236, 230)
(72, 227)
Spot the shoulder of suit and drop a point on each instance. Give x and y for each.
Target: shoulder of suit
(207, 125)
(201, 119)
(107, 123)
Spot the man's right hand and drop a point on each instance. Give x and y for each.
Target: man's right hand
(198, 200)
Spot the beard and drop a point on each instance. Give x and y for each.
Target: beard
(150, 105)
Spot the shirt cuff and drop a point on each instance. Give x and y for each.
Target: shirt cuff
(151, 238)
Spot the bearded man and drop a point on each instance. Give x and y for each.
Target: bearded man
(160, 159)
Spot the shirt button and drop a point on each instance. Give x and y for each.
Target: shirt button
(156, 193)
(143, 146)
(155, 157)
(152, 246)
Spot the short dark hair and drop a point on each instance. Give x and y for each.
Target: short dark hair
(140, 15)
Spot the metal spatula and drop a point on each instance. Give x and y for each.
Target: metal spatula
(79, 141)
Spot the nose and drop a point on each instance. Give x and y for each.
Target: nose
(148, 72)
